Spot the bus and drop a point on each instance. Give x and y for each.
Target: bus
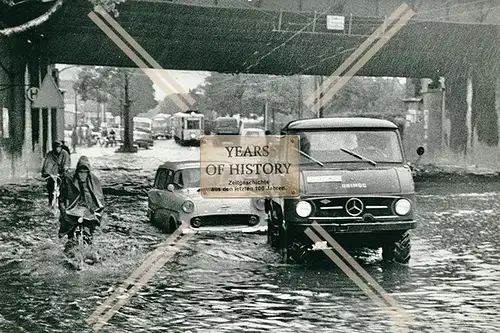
(162, 126)
(227, 126)
(188, 127)
(227, 131)
(143, 123)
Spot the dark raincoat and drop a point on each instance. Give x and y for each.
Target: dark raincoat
(76, 197)
(56, 163)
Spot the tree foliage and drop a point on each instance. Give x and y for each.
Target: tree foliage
(107, 85)
(246, 94)
(108, 5)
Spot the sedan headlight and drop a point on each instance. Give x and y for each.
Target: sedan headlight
(303, 209)
(402, 206)
(188, 206)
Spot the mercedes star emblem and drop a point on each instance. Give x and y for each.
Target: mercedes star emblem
(354, 206)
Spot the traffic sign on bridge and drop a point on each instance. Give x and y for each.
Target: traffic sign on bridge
(49, 95)
(31, 93)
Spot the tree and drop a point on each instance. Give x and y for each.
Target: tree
(127, 90)
(168, 106)
(246, 94)
(108, 5)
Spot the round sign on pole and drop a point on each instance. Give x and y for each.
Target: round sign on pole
(31, 93)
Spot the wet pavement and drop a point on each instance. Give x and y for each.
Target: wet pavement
(234, 282)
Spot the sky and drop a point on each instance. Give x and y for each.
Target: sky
(186, 79)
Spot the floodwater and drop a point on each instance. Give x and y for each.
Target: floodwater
(234, 282)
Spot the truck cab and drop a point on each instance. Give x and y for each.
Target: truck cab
(355, 183)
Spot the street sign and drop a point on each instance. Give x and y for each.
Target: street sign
(49, 95)
(335, 22)
(31, 93)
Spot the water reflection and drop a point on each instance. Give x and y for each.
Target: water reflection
(234, 283)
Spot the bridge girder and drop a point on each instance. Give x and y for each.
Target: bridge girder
(231, 39)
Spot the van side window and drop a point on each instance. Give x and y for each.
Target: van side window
(163, 178)
(178, 178)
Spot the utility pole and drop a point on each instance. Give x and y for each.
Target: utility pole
(300, 96)
(76, 107)
(321, 108)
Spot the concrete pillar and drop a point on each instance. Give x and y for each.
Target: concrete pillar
(49, 129)
(456, 108)
(433, 107)
(468, 118)
(483, 103)
(60, 123)
(40, 132)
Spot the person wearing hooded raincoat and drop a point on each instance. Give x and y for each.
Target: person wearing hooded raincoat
(57, 162)
(81, 196)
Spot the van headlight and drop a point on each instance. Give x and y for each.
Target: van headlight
(303, 208)
(402, 206)
(188, 206)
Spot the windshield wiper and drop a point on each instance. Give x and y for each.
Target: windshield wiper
(359, 156)
(311, 158)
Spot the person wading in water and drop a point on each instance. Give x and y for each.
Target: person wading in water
(81, 196)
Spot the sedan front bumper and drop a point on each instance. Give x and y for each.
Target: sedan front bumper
(228, 223)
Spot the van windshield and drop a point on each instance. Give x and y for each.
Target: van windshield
(326, 146)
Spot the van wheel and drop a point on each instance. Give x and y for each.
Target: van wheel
(399, 250)
(172, 225)
(292, 252)
(273, 230)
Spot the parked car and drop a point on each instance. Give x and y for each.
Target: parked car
(356, 184)
(143, 138)
(176, 199)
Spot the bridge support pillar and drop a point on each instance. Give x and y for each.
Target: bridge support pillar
(22, 134)
(456, 111)
(473, 111)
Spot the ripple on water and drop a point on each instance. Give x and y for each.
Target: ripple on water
(234, 283)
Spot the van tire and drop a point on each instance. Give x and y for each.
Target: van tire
(170, 226)
(274, 227)
(399, 250)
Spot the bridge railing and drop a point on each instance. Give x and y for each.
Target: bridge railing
(317, 23)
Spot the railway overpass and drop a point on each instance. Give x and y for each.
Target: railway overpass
(258, 37)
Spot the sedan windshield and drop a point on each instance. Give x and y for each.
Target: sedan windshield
(331, 146)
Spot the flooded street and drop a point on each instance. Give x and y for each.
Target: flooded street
(234, 282)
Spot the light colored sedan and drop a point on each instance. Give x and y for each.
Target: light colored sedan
(176, 199)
